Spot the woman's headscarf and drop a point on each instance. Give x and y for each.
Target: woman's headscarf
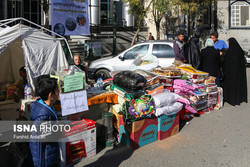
(209, 42)
(234, 45)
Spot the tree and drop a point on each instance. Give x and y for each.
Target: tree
(192, 8)
(159, 9)
(46, 11)
(140, 9)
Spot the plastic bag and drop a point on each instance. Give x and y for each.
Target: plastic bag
(212, 98)
(211, 88)
(219, 103)
(165, 98)
(209, 80)
(169, 110)
(170, 71)
(10, 91)
(130, 80)
(144, 62)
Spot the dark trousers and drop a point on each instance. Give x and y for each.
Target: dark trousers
(217, 82)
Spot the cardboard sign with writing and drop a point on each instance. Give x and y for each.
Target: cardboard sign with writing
(74, 102)
(73, 82)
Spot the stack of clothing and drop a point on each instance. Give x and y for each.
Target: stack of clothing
(192, 98)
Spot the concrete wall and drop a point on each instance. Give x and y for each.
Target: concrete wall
(175, 19)
(241, 35)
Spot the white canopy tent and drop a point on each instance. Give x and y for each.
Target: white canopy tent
(21, 45)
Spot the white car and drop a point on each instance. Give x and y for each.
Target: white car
(163, 50)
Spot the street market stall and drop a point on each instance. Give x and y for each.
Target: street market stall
(146, 106)
(151, 103)
(146, 103)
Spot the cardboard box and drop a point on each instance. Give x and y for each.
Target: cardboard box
(168, 125)
(117, 120)
(139, 133)
(79, 142)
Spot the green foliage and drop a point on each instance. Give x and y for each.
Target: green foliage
(192, 7)
(159, 10)
(160, 7)
(138, 9)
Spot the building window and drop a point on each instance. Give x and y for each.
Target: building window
(105, 12)
(28, 9)
(32, 10)
(240, 14)
(14, 8)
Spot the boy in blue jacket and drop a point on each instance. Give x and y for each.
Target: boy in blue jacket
(44, 154)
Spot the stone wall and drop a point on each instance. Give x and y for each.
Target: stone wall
(241, 35)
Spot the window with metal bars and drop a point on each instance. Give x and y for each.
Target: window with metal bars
(240, 14)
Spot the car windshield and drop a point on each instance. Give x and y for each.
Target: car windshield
(163, 51)
(131, 54)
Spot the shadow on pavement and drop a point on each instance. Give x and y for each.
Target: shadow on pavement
(113, 157)
(182, 123)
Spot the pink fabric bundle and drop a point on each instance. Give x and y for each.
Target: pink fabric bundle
(186, 104)
(183, 85)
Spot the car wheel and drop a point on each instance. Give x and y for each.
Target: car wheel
(104, 74)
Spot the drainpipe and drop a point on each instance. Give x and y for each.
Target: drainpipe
(114, 30)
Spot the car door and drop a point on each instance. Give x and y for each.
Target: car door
(128, 57)
(164, 53)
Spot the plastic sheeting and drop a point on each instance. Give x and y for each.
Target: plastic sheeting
(165, 103)
(144, 62)
(169, 110)
(22, 45)
(165, 98)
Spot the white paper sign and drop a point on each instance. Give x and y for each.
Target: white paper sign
(74, 102)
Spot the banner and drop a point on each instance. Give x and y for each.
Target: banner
(70, 17)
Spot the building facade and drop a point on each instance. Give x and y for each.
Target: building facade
(35, 10)
(29, 9)
(233, 19)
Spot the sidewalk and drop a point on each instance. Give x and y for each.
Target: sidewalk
(219, 138)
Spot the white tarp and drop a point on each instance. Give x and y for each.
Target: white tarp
(22, 45)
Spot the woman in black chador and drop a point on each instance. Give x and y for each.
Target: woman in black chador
(234, 68)
(193, 53)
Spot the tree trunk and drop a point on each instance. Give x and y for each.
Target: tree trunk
(189, 26)
(137, 32)
(157, 24)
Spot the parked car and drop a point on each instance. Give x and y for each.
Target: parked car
(163, 50)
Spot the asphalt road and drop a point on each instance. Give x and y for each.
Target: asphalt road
(220, 138)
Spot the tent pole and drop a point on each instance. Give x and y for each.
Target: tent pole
(43, 28)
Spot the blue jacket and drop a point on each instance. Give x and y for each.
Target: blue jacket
(43, 154)
(220, 44)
